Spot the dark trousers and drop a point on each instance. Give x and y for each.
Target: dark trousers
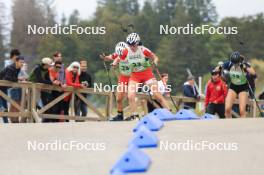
(151, 107)
(3, 104)
(190, 105)
(66, 107)
(57, 108)
(45, 98)
(216, 109)
(80, 108)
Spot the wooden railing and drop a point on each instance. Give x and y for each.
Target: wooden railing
(28, 106)
(28, 111)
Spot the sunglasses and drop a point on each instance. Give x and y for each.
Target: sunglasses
(215, 73)
(75, 67)
(133, 45)
(58, 67)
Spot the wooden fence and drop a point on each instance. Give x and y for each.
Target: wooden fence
(30, 97)
(28, 111)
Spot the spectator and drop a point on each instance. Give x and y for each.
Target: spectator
(23, 77)
(72, 79)
(189, 90)
(216, 91)
(57, 57)
(86, 80)
(261, 97)
(13, 55)
(10, 73)
(162, 88)
(54, 73)
(40, 74)
(3, 103)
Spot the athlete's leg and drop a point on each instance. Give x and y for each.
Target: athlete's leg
(230, 98)
(119, 100)
(121, 92)
(243, 98)
(132, 89)
(157, 95)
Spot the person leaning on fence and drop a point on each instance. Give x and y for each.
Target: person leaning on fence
(40, 74)
(57, 57)
(189, 90)
(10, 73)
(3, 103)
(72, 79)
(216, 91)
(55, 72)
(86, 80)
(13, 55)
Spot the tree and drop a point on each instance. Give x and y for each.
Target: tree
(26, 13)
(185, 51)
(2, 29)
(218, 49)
(74, 17)
(250, 33)
(49, 11)
(146, 18)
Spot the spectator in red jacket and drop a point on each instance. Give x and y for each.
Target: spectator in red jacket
(216, 91)
(72, 79)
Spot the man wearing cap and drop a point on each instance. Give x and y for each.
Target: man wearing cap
(216, 91)
(189, 90)
(40, 74)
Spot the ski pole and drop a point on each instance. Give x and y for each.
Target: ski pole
(173, 102)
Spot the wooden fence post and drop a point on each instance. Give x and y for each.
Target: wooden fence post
(34, 113)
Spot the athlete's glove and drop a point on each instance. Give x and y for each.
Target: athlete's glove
(113, 65)
(102, 56)
(243, 66)
(155, 62)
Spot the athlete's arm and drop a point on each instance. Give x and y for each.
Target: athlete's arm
(251, 71)
(249, 68)
(108, 57)
(124, 54)
(116, 61)
(151, 55)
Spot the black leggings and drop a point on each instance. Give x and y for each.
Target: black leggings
(151, 106)
(239, 88)
(216, 109)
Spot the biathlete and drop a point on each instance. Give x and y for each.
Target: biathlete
(237, 69)
(123, 78)
(138, 57)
